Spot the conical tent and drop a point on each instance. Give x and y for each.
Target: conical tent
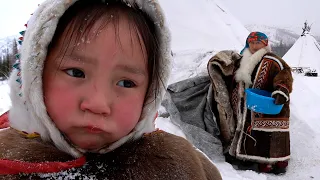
(203, 25)
(304, 54)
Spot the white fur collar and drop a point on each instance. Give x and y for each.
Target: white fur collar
(28, 112)
(248, 63)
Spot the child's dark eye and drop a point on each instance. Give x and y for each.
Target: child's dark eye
(75, 73)
(126, 84)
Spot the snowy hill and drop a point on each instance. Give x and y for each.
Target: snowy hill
(288, 35)
(276, 35)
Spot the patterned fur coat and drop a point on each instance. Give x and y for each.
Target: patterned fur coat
(255, 137)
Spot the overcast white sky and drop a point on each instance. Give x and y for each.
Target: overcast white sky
(279, 13)
(15, 13)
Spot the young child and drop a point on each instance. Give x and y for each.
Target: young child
(85, 93)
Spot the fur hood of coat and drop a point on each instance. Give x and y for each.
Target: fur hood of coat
(28, 112)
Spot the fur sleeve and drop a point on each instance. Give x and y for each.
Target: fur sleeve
(282, 82)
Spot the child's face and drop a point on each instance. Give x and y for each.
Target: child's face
(96, 92)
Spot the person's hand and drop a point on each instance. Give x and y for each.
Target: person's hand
(279, 99)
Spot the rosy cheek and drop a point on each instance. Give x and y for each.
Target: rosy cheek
(60, 102)
(128, 114)
(128, 118)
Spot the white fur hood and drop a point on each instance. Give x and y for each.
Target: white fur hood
(28, 112)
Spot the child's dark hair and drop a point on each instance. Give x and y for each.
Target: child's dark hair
(79, 19)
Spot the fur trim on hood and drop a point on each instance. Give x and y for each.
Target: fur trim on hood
(248, 63)
(28, 112)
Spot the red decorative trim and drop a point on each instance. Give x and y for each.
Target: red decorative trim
(15, 167)
(4, 120)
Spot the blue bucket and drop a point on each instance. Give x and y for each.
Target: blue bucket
(260, 101)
